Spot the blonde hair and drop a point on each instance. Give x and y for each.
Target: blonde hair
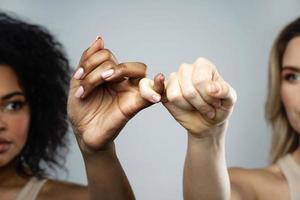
(284, 138)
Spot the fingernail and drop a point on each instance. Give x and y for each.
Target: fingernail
(97, 38)
(79, 92)
(107, 73)
(155, 98)
(78, 74)
(210, 115)
(212, 88)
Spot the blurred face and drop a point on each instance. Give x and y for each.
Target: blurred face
(290, 87)
(14, 116)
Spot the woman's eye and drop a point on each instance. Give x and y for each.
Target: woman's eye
(13, 106)
(291, 77)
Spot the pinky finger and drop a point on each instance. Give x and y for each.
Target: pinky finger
(159, 85)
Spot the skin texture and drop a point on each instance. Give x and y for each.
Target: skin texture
(196, 96)
(201, 101)
(14, 116)
(103, 96)
(14, 122)
(106, 103)
(205, 159)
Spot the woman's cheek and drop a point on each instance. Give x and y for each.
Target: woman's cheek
(290, 98)
(21, 128)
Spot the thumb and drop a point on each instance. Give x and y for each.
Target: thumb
(152, 90)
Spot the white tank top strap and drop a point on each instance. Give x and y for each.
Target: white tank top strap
(31, 190)
(291, 171)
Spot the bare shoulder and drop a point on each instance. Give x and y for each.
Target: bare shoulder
(258, 183)
(267, 174)
(63, 190)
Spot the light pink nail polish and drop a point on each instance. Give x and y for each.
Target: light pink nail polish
(155, 98)
(107, 73)
(79, 92)
(78, 74)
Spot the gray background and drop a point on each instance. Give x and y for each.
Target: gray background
(235, 35)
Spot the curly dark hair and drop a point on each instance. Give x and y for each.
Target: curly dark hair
(43, 72)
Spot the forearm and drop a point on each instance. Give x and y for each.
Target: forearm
(205, 170)
(106, 178)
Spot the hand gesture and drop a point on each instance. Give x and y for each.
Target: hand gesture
(196, 96)
(104, 95)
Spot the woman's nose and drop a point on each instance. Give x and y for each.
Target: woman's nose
(2, 123)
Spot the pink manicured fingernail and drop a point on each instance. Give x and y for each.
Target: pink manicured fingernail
(210, 115)
(79, 92)
(155, 98)
(107, 73)
(78, 74)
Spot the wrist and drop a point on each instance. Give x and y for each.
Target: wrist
(212, 132)
(213, 138)
(107, 151)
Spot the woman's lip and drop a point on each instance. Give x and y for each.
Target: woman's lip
(2, 140)
(4, 146)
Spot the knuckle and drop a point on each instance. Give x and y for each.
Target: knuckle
(203, 62)
(119, 70)
(173, 97)
(224, 87)
(86, 64)
(88, 83)
(143, 66)
(183, 66)
(204, 108)
(107, 53)
(107, 64)
(198, 83)
(121, 67)
(189, 93)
